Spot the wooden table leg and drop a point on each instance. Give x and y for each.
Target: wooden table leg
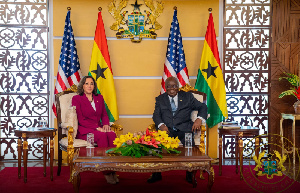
(76, 183)
(294, 143)
(44, 154)
(281, 135)
(220, 155)
(241, 154)
(209, 185)
(25, 155)
(211, 175)
(19, 156)
(236, 155)
(51, 157)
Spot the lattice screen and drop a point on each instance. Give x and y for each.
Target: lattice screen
(246, 41)
(24, 72)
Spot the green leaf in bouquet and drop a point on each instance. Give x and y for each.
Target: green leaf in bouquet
(156, 154)
(111, 150)
(175, 151)
(166, 149)
(138, 155)
(126, 151)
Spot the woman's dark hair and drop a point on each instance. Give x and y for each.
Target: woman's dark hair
(80, 90)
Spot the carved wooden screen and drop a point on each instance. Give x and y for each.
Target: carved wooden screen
(247, 33)
(24, 72)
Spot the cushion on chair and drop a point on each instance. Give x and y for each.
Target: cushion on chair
(195, 113)
(70, 120)
(198, 97)
(194, 117)
(77, 142)
(66, 111)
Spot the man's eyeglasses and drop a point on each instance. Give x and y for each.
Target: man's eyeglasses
(171, 86)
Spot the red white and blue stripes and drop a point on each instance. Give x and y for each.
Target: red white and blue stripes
(69, 68)
(175, 59)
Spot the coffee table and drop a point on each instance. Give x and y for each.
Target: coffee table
(96, 160)
(33, 132)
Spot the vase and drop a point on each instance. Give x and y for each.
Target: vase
(297, 107)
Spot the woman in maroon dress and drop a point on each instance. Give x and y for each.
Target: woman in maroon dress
(90, 109)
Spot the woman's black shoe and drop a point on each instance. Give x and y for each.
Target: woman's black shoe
(156, 176)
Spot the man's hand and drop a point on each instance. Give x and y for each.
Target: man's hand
(163, 127)
(197, 125)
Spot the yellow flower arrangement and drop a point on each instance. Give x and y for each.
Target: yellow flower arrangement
(141, 144)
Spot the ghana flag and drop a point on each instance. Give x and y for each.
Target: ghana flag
(100, 69)
(210, 78)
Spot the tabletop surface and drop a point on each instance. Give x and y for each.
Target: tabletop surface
(243, 128)
(35, 129)
(35, 132)
(97, 153)
(290, 116)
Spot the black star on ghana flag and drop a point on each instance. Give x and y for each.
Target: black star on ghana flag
(136, 6)
(210, 70)
(99, 72)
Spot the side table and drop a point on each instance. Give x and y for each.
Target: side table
(244, 131)
(34, 133)
(292, 117)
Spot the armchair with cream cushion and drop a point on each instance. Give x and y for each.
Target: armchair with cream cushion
(199, 136)
(67, 124)
(66, 118)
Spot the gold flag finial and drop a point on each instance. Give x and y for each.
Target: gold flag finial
(69, 8)
(210, 9)
(100, 8)
(175, 8)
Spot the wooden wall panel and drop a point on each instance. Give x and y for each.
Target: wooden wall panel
(285, 56)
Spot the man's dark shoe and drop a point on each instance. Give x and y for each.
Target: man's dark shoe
(156, 176)
(189, 177)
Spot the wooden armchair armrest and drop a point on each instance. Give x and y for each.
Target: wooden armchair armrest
(202, 138)
(116, 128)
(152, 128)
(70, 150)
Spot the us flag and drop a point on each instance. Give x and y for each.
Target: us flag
(175, 60)
(69, 68)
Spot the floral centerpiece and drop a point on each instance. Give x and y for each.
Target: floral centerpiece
(295, 90)
(145, 143)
